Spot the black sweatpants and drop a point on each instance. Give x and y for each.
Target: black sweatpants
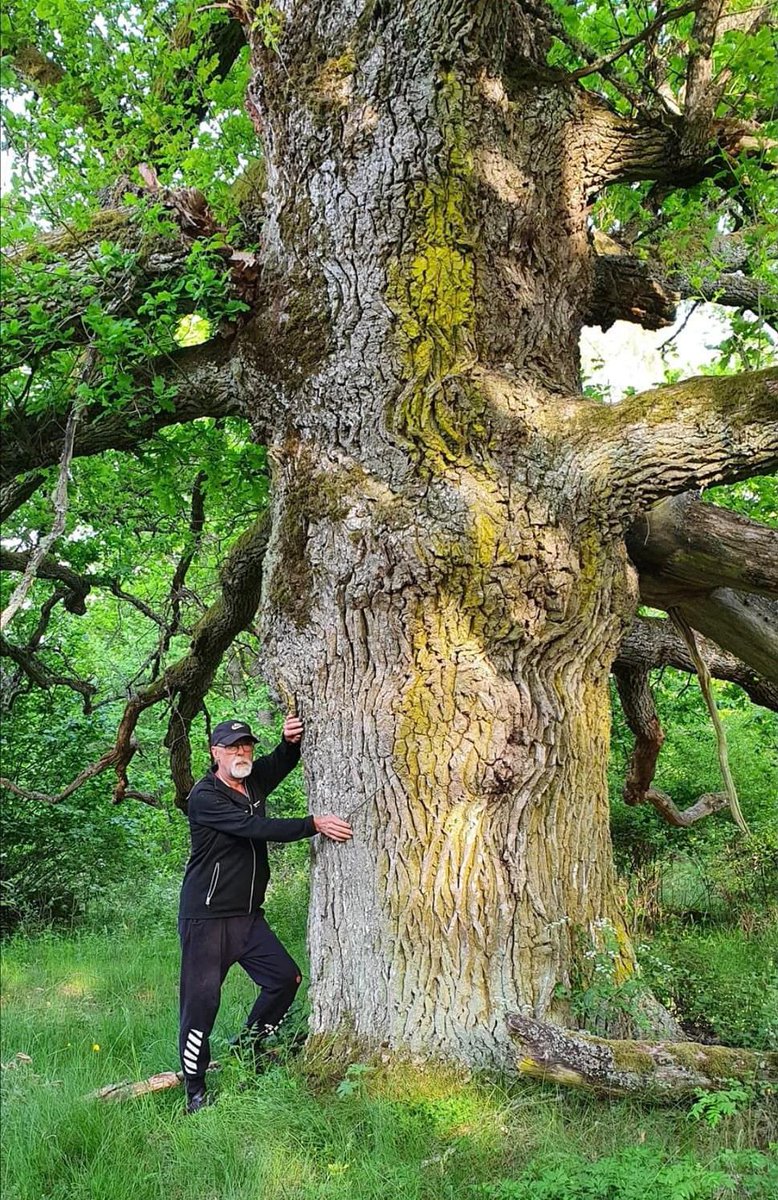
(208, 950)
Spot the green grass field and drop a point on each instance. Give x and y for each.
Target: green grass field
(99, 1006)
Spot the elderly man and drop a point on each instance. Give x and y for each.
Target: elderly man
(221, 920)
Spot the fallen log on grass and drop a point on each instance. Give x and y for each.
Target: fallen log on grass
(655, 1070)
(155, 1083)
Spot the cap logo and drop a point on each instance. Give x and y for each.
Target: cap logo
(236, 725)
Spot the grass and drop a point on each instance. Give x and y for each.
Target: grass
(99, 1006)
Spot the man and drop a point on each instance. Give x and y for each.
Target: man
(221, 921)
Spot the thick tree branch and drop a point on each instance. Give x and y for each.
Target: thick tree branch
(705, 546)
(652, 642)
(633, 289)
(693, 434)
(745, 625)
(719, 569)
(700, 99)
(14, 494)
(211, 381)
(622, 150)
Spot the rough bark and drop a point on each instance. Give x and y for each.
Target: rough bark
(655, 1070)
(693, 434)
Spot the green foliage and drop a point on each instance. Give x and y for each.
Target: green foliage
(600, 992)
(636, 1172)
(721, 982)
(715, 1107)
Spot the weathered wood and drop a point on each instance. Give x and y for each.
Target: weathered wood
(656, 1070)
(142, 1087)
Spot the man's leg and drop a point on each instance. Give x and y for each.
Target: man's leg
(266, 961)
(205, 960)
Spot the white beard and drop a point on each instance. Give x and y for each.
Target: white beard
(241, 770)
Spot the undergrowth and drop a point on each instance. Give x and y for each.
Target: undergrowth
(98, 1006)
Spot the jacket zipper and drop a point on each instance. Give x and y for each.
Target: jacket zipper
(254, 868)
(212, 886)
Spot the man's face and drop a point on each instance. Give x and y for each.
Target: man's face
(234, 762)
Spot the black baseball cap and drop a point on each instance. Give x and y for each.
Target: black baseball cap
(229, 733)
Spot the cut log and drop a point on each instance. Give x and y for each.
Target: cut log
(653, 1070)
(142, 1087)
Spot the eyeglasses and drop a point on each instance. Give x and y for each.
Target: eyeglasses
(240, 748)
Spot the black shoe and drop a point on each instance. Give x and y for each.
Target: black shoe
(198, 1100)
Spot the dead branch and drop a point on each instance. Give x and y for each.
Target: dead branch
(96, 768)
(155, 1083)
(660, 1071)
(59, 500)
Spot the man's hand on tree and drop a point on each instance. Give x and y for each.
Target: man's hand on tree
(334, 828)
(293, 730)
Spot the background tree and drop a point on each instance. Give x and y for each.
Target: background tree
(389, 269)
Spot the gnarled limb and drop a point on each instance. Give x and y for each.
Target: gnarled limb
(657, 1070)
(643, 292)
(652, 642)
(42, 676)
(186, 682)
(637, 701)
(701, 431)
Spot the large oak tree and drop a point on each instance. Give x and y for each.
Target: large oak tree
(440, 196)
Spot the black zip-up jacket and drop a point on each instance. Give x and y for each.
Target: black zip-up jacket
(228, 871)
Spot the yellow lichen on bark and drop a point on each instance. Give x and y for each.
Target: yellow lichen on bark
(431, 290)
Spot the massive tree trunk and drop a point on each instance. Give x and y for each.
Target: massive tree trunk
(446, 583)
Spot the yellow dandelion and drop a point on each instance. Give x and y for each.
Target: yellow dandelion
(95, 1047)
